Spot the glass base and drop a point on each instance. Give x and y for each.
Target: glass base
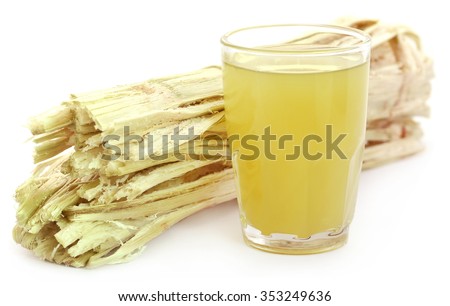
(291, 244)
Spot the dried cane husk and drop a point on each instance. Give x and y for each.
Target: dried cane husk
(79, 210)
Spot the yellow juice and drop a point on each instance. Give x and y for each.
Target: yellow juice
(305, 195)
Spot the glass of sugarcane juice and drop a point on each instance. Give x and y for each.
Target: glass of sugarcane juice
(295, 108)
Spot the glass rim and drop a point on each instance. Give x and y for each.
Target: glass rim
(363, 37)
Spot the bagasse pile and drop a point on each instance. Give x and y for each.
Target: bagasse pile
(80, 209)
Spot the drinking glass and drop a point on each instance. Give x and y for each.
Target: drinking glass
(295, 108)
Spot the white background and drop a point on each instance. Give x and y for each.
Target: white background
(398, 249)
